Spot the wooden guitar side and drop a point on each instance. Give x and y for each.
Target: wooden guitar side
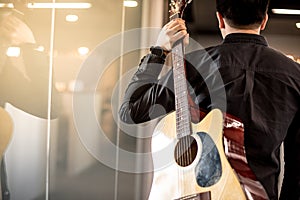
(175, 182)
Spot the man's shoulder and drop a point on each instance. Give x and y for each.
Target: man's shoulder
(280, 61)
(202, 54)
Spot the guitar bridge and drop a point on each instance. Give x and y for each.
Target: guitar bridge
(199, 196)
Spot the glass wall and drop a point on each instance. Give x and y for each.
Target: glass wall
(64, 65)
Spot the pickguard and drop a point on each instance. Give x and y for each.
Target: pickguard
(208, 171)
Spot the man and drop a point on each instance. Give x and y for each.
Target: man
(262, 89)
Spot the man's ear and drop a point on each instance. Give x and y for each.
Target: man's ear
(220, 20)
(264, 22)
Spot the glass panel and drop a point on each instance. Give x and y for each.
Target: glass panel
(24, 83)
(63, 72)
(84, 146)
(75, 172)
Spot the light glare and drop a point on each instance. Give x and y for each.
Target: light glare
(60, 5)
(291, 57)
(13, 52)
(286, 11)
(130, 4)
(83, 51)
(71, 18)
(6, 5)
(40, 48)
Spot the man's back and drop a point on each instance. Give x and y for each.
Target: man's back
(262, 89)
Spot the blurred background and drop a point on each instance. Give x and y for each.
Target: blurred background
(63, 71)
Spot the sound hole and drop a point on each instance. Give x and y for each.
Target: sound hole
(185, 151)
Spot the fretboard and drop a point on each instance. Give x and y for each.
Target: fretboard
(183, 118)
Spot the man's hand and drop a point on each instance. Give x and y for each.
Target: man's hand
(172, 32)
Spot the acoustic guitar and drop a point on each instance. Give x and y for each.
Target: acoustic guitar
(197, 165)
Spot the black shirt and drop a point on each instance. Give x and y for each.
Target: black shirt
(246, 78)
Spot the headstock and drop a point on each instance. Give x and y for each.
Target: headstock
(177, 7)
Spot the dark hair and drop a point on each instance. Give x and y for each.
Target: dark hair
(243, 13)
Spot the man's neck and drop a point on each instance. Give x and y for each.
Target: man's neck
(228, 30)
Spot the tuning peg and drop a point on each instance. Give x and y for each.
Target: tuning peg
(172, 3)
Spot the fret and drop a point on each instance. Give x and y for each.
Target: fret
(180, 85)
(182, 108)
(181, 135)
(182, 119)
(181, 99)
(182, 129)
(182, 111)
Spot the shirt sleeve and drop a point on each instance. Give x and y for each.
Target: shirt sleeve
(148, 97)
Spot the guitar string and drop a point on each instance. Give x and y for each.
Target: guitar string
(178, 127)
(189, 157)
(184, 152)
(187, 149)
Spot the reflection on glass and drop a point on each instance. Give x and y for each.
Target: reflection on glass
(24, 78)
(13, 51)
(60, 5)
(25, 61)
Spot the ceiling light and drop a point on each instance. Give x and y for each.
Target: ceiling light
(286, 11)
(71, 18)
(130, 4)
(6, 5)
(40, 48)
(83, 51)
(60, 5)
(13, 52)
(298, 25)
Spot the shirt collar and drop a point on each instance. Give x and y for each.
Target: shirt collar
(245, 38)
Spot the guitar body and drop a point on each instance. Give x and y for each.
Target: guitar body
(207, 176)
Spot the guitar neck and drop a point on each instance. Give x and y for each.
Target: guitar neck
(183, 118)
